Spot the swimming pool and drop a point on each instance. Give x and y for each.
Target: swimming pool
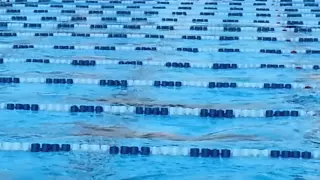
(182, 67)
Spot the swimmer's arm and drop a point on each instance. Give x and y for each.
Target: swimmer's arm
(171, 137)
(174, 137)
(164, 136)
(98, 128)
(123, 132)
(235, 137)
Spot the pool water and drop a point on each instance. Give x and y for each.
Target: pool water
(145, 50)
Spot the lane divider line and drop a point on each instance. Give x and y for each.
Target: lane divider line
(214, 66)
(47, 13)
(159, 27)
(149, 110)
(155, 48)
(125, 2)
(175, 22)
(197, 20)
(174, 3)
(156, 83)
(303, 39)
(138, 11)
(132, 11)
(255, 6)
(201, 15)
(218, 8)
(158, 150)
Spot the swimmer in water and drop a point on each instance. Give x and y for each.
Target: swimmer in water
(315, 77)
(128, 101)
(123, 132)
(133, 102)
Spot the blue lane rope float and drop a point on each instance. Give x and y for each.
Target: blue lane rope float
(207, 5)
(130, 12)
(36, 19)
(254, 8)
(157, 111)
(146, 14)
(111, 6)
(159, 27)
(188, 24)
(148, 3)
(254, 3)
(158, 150)
(158, 48)
(157, 7)
(114, 11)
(291, 4)
(117, 6)
(165, 3)
(173, 64)
(308, 39)
(154, 2)
(286, 4)
(193, 25)
(127, 2)
(157, 83)
(191, 28)
(128, 6)
(298, 10)
(95, 14)
(145, 19)
(138, 11)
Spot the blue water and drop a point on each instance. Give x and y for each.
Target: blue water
(295, 133)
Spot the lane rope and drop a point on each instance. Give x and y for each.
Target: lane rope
(131, 6)
(124, 2)
(254, 8)
(146, 19)
(158, 111)
(157, 83)
(203, 15)
(303, 39)
(157, 48)
(159, 150)
(159, 27)
(133, 11)
(264, 3)
(168, 64)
